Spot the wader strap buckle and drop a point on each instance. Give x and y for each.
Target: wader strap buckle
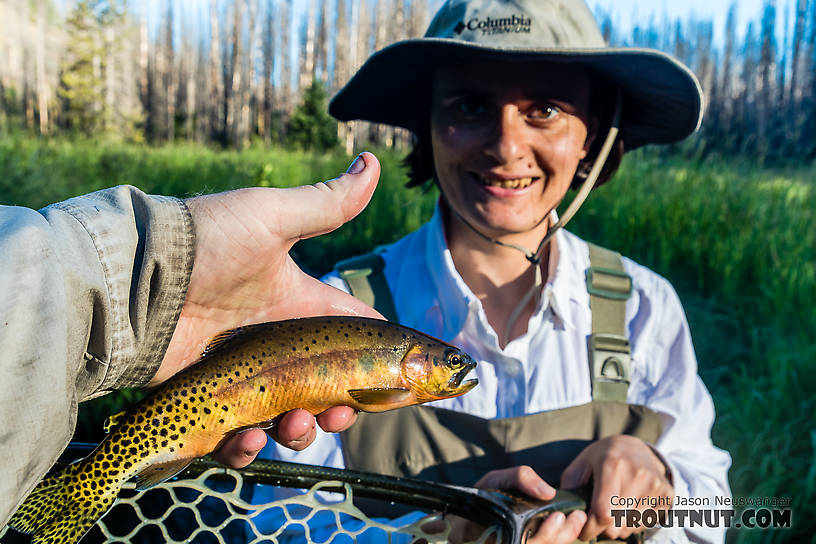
(610, 359)
(608, 283)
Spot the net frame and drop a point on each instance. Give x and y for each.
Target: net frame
(506, 516)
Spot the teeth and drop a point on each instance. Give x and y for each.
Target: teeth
(518, 183)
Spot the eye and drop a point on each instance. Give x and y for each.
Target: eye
(544, 112)
(454, 360)
(469, 108)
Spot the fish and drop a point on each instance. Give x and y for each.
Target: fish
(246, 378)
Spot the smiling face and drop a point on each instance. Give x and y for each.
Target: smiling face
(507, 139)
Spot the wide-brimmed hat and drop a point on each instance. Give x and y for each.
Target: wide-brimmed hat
(662, 99)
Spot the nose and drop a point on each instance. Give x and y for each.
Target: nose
(509, 142)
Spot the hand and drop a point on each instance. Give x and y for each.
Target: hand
(557, 528)
(622, 466)
(243, 274)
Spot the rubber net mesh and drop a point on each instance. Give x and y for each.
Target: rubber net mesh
(217, 506)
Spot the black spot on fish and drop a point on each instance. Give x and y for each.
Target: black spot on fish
(192, 423)
(225, 408)
(164, 443)
(262, 389)
(163, 432)
(195, 410)
(133, 451)
(229, 380)
(221, 420)
(174, 437)
(206, 410)
(177, 419)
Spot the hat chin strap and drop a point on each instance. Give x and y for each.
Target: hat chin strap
(580, 197)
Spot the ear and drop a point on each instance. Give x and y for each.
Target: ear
(592, 133)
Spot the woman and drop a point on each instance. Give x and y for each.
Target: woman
(512, 103)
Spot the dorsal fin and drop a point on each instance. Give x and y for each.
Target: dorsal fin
(113, 420)
(220, 339)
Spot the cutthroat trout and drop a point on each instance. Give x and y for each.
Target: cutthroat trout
(245, 379)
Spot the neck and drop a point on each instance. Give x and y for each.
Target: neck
(498, 275)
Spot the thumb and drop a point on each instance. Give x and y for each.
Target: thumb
(311, 210)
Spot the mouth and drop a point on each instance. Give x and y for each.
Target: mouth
(506, 183)
(455, 384)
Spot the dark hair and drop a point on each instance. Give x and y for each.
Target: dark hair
(419, 161)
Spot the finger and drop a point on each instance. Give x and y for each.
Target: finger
(337, 419)
(295, 430)
(559, 528)
(521, 478)
(240, 450)
(318, 298)
(576, 474)
(600, 512)
(303, 212)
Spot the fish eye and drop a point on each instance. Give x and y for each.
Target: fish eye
(454, 360)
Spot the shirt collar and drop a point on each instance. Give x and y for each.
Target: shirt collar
(563, 283)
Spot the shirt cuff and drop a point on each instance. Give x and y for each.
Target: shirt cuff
(146, 247)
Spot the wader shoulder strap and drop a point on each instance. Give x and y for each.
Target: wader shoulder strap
(609, 288)
(365, 276)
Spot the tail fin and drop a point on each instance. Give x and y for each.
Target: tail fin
(59, 510)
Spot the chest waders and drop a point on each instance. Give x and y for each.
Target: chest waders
(451, 447)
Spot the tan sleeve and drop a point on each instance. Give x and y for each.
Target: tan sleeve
(90, 292)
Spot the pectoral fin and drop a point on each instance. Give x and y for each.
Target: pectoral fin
(113, 421)
(380, 399)
(159, 472)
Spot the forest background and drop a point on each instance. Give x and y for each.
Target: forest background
(182, 97)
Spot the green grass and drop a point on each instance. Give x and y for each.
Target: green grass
(738, 243)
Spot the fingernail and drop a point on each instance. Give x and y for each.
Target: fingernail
(357, 166)
(558, 519)
(543, 490)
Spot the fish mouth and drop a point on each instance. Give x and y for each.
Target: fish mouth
(455, 384)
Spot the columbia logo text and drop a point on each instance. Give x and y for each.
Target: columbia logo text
(502, 25)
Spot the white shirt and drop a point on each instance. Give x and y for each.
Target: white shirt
(547, 368)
